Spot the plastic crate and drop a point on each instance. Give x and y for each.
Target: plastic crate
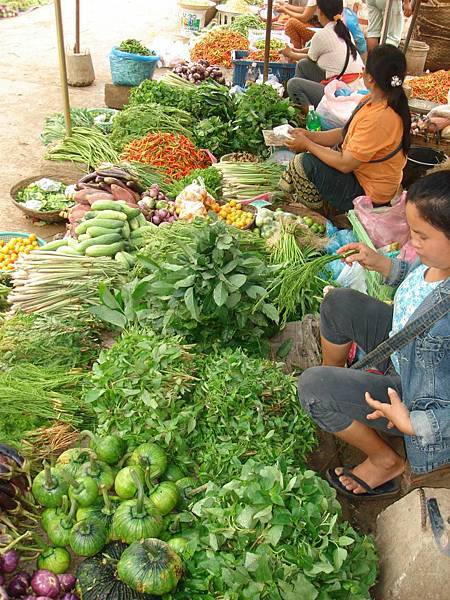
(374, 281)
(283, 71)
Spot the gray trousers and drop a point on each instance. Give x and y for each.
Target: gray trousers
(305, 88)
(334, 396)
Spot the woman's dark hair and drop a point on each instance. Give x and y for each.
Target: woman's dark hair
(331, 9)
(431, 196)
(387, 65)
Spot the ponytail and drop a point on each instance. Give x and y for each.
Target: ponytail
(387, 65)
(332, 9)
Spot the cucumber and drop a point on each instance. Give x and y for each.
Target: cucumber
(90, 215)
(106, 205)
(68, 250)
(130, 258)
(121, 259)
(106, 223)
(134, 224)
(95, 231)
(83, 237)
(110, 238)
(81, 228)
(72, 243)
(54, 245)
(129, 210)
(126, 231)
(104, 249)
(141, 220)
(110, 214)
(142, 231)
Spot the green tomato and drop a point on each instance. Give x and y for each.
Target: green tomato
(54, 559)
(124, 485)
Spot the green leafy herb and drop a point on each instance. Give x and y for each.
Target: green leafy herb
(243, 23)
(212, 180)
(135, 47)
(273, 534)
(213, 134)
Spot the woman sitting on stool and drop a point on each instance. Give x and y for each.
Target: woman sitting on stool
(411, 400)
(367, 156)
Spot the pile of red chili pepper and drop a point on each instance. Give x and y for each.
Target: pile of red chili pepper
(217, 45)
(433, 87)
(172, 152)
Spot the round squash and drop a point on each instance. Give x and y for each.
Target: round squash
(151, 458)
(150, 567)
(165, 497)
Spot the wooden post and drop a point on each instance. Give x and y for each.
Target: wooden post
(268, 36)
(77, 27)
(412, 24)
(62, 66)
(386, 21)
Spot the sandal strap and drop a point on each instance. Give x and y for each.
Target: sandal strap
(347, 473)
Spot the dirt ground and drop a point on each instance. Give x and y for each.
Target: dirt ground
(30, 87)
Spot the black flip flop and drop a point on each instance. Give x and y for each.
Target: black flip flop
(387, 490)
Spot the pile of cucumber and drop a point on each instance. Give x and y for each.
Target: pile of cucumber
(110, 228)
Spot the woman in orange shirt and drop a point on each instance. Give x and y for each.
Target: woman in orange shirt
(367, 156)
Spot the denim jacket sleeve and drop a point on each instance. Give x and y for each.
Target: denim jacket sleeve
(432, 425)
(400, 269)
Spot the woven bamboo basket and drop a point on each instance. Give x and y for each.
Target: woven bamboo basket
(433, 28)
(48, 217)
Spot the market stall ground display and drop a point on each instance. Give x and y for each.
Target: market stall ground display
(12, 8)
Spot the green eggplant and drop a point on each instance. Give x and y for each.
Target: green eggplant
(165, 497)
(103, 513)
(151, 458)
(50, 513)
(124, 484)
(58, 530)
(98, 470)
(49, 487)
(56, 560)
(88, 537)
(84, 490)
(136, 519)
(109, 449)
(173, 472)
(71, 461)
(150, 566)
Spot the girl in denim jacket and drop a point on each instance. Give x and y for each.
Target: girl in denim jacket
(412, 398)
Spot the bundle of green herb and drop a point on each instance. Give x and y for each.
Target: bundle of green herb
(270, 534)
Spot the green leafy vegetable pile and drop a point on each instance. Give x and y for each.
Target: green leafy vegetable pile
(213, 134)
(245, 22)
(159, 92)
(274, 534)
(204, 281)
(259, 108)
(139, 376)
(136, 121)
(212, 180)
(135, 47)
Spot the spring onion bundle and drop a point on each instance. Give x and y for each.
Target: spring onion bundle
(60, 284)
(245, 180)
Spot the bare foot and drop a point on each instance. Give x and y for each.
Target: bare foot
(373, 474)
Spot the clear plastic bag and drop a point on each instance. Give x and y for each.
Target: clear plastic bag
(334, 111)
(384, 225)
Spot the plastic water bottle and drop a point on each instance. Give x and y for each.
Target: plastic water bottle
(313, 120)
(252, 74)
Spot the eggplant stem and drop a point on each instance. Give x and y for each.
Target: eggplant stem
(22, 537)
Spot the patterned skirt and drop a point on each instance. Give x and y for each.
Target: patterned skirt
(296, 183)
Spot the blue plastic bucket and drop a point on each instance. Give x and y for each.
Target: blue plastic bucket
(131, 69)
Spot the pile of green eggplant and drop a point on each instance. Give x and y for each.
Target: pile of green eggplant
(101, 499)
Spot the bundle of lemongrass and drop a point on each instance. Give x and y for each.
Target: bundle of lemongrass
(246, 180)
(60, 284)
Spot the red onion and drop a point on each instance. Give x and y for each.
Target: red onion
(19, 584)
(67, 582)
(45, 583)
(69, 596)
(2, 579)
(10, 561)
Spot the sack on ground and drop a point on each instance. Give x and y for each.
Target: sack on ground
(298, 345)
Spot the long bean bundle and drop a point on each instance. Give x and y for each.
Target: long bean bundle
(298, 288)
(60, 284)
(245, 180)
(89, 146)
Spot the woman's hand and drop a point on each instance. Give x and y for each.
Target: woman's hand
(396, 412)
(367, 258)
(299, 142)
(407, 8)
(279, 7)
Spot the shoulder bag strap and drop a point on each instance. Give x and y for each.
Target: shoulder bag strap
(422, 324)
(388, 156)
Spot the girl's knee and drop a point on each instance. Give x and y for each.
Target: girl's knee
(336, 301)
(310, 384)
